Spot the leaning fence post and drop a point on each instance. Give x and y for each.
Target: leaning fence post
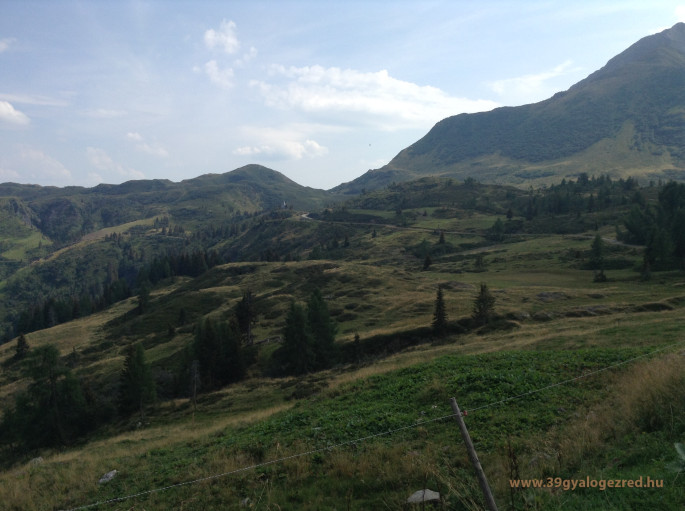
(489, 499)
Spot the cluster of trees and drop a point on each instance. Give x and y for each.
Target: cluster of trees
(308, 339)
(221, 351)
(55, 311)
(659, 228)
(190, 264)
(219, 354)
(482, 313)
(585, 195)
(55, 409)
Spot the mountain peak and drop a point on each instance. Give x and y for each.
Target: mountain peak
(665, 48)
(626, 119)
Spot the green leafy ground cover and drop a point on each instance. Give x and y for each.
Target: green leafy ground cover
(411, 449)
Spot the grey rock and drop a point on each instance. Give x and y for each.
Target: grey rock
(108, 477)
(424, 496)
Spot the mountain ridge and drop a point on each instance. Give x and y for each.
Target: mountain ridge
(643, 86)
(66, 214)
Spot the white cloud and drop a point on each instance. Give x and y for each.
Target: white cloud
(8, 175)
(102, 161)
(10, 115)
(33, 99)
(27, 164)
(5, 43)
(225, 38)
(374, 98)
(532, 86)
(142, 145)
(286, 143)
(222, 78)
(103, 113)
(246, 58)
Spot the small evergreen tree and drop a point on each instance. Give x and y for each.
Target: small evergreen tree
(22, 348)
(483, 306)
(136, 385)
(323, 330)
(496, 232)
(297, 354)
(441, 241)
(427, 262)
(479, 264)
(440, 315)
(597, 258)
(246, 315)
(143, 298)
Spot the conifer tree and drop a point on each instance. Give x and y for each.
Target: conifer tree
(137, 387)
(323, 330)
(308, 338)
(597, 258)
(297, 354)
(52, 411)
(246, 315)
(440, 315)
(22, 348)
(217, 348)
(143, 298)
(483, 306)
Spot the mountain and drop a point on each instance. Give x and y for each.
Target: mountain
(626, 119)
(65, 214)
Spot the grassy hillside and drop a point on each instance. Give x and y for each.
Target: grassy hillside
(572, 379)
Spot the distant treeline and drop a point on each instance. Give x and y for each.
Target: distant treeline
(55, 311)
(585, 195)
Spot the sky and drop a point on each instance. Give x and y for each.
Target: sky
(321, 91)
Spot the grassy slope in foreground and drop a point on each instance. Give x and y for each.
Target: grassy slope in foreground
(630, 432)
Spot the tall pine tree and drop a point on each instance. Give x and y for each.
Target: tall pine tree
(217, 348)
(483, 306)
(440, 315)
(308, 338)
(136, 385)
(246, 314)
(297, 354)
(323, 330)
(597, 258)
(22, 348)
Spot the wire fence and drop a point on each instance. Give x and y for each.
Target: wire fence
(415, 424)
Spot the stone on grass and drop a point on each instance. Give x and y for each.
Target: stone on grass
(424, 496)
(107, 477)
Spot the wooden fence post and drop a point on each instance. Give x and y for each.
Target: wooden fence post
(489, 499)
